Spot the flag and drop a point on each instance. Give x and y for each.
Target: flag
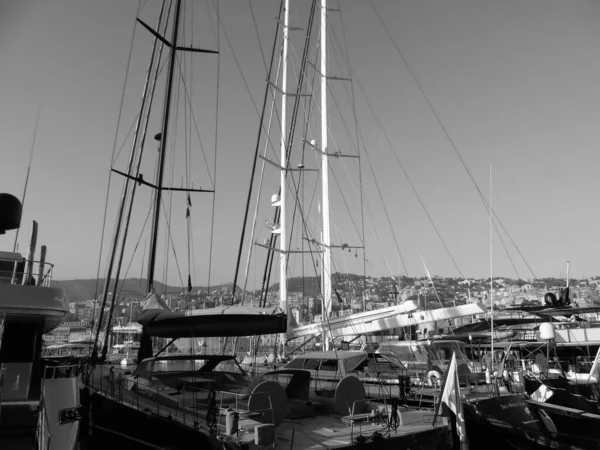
(189, 283)
(189, 200)
(542, 394)
(187, 212)
(453, 400)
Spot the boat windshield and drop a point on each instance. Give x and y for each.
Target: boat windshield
(387, 359)
(441, 352)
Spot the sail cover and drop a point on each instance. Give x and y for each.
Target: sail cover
(221, 321)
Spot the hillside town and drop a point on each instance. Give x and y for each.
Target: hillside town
(353, 293)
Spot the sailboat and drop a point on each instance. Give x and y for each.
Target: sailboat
(208, 400)
(328, 327)
(115, 400)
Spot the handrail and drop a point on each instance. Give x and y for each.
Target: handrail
(15, 276)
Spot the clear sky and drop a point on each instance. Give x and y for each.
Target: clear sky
(515, 84)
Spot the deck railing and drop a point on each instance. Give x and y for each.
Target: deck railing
(190, 406)
(38, 273)
(63, 371)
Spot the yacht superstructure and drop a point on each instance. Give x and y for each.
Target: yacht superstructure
(30, 307)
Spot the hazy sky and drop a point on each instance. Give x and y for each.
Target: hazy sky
(515, 83)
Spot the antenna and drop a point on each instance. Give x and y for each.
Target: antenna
(491, 272)
(37, 120)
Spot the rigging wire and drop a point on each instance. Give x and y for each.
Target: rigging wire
(405, 172)
(135, 250)
(358, 147)
(114, 149)
(237, 62)
(94, 355)
(141, 124)
(447, 134)
(262, 53)
(193, 117)
(256, 151)
(261, 179)
(295, 187)
(212, 223)
(37, 121)
(173, 136)
(404, 216)
(170, 237)
(189, 164)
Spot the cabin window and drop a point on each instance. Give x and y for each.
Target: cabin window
(353, 362)
(329, 364)
(311, 364)
(295, 364)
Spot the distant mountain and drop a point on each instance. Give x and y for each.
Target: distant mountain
(346, 284)
(80, 290)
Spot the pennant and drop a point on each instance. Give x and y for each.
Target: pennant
(189, 200)
(453, 400)
(339, 297)
(189, 283)
(187, 212)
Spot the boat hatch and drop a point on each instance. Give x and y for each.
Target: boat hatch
(187, 363)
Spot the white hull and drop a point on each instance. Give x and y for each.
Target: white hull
(403, 315)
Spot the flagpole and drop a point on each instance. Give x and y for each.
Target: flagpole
(452, 397)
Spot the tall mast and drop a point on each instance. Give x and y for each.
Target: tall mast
(284, 164)
(163, 143)
(325, 171)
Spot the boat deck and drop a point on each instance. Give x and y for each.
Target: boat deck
(328, 431)
(321, 431)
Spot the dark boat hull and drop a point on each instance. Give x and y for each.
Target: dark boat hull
(513, 420)
(110, 424)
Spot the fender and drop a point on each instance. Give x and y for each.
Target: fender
(433, 378)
